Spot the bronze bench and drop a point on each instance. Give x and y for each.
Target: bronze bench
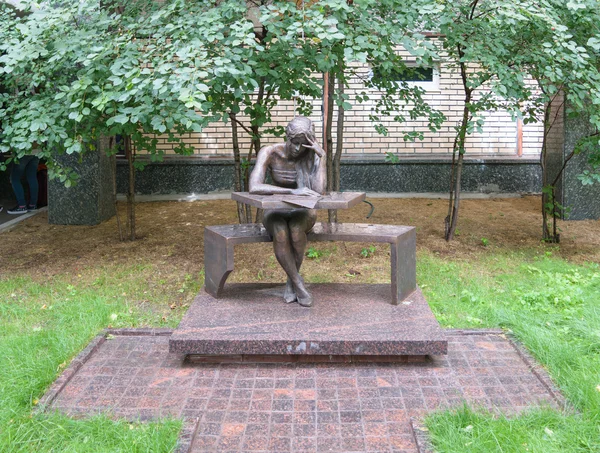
(220, 240)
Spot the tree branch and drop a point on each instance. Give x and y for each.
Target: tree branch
(234, 118)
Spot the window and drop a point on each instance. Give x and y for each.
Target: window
(427, 78)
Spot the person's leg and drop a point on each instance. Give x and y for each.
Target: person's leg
(15, 179)
(31, 175)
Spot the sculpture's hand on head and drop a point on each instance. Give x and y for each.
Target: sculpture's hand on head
(312, 144)
(305, 191)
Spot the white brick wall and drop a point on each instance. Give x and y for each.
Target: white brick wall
(499, 137)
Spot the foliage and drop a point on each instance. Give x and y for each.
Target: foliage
(76, 71)
(342, 36)
(314, 253)
(476, 40)
(506, 53)
(542, 430)
(366, 252)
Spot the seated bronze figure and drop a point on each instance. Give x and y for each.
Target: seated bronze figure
(297, 167)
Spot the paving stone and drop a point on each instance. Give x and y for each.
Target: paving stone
(300, 407)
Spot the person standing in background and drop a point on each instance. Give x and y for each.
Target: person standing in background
(28, 166)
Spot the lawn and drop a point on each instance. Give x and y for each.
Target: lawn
(551, 306)
(60, 286)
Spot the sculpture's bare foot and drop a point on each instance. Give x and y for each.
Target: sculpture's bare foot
(305, 301)
(290, 294)
(304, 297)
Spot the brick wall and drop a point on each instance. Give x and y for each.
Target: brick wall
(499, 137)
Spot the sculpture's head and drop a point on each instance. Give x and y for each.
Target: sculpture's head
(298, 132)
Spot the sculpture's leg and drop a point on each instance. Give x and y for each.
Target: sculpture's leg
(289, 295)
(300, 223)
(276, 223)
(285, 256)
(299, 242)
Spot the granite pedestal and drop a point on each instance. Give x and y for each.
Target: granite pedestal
(350, 320)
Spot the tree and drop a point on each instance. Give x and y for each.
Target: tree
(498, 46)
(476, 39)
(298, 43)
(252, 78)
(565, 63)
(78, 71)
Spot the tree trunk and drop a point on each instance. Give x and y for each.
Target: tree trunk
(339, 146)
(113, 161)
(257, 145)
(129, 154)
(328, 88)
(254, 146)
(455, 200)
(546, 236)
(549, 205)
(457, 164)
(237, 167)
(456, 172)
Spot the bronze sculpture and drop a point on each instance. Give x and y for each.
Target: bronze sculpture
(297, 167)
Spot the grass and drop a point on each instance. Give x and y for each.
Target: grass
(553, 307)
(42, 327)
(550, 305)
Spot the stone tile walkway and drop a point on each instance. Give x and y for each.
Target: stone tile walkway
(349, 407)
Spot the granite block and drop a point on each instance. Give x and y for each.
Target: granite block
(583, 202)
(425, 174)
(90, 201)
(346, 320)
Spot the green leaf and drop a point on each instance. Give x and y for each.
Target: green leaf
(121, 119)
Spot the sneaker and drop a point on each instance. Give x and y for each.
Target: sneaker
(1, 208)
(31, 208)
(18, 210)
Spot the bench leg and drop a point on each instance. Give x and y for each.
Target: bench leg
(403, 259)
(218, 262)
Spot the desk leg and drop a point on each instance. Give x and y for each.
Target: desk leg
(218, 262)
(403, 259)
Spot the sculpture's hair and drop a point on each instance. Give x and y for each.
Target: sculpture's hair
(301, 125)
(298, 126)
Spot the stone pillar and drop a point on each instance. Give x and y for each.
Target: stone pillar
(582, 202)
(90, 201)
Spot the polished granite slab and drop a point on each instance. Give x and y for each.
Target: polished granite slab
(346, 320)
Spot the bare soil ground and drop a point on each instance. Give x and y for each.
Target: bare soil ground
(170, 239)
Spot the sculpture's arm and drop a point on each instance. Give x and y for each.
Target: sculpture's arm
(319, 173)
(257, 177)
